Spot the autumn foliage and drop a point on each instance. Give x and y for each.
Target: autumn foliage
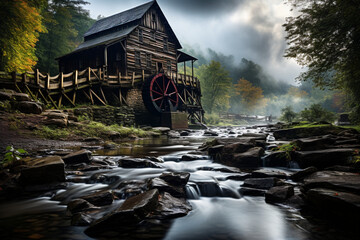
(249, 95)
(20, 26)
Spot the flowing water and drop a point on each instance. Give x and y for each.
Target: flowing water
(219, 211)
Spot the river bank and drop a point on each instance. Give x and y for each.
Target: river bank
(219, 198)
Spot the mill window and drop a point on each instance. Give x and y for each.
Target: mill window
(137, 58)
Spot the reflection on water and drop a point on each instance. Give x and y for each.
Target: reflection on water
(226, 218)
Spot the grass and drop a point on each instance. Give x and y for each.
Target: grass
(92, 129)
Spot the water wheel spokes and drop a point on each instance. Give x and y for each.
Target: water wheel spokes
(162, 94)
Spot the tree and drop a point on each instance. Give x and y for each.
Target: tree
(248, 96)
(66, 22)
(215, 87)
(287, 114)
(20, 26)
(325, 37)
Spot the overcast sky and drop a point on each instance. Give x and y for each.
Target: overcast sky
(244, 28)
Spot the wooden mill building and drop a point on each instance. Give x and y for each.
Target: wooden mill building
(139, 41)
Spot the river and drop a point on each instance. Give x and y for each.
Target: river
(219, 211)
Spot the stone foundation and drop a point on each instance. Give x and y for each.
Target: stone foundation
(108, 114)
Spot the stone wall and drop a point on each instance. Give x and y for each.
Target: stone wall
(142, 115)
(108, 114)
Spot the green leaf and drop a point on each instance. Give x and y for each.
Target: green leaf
(21, 151)
(9, 148)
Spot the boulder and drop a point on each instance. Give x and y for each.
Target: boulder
(261, 183)
(137, 163)
(250, 158)
(131, 212)
(279, 194)
(5, 96)
(163, 186)
(28, 107)
(343, 207)
(178, 179)
(314, 143)
(324, 158)
(56, 115)
(192, 157)
(43, 171)
(163, 130)
(265, 173)
(101, 198)
(80, 219)
(184, 133)
(171, 207)
(296, 201)
(245, 191)
(213, 151)
(276, 159)
(81, 156)
(210, 133)
(295, 133)
(256, 136)
(56, 122)
(130, 188)
(334, 180)
(300, 175)
(21, 97)
(79, 205)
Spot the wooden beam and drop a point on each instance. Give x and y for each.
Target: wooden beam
(53, 102)
(86, 95)
(120, 97)
(43, 97)
(103, 95)
(61, 80)
(37, 77)
(60, 99)
(91, 97)
(69, 99)
(74, 97)
(91, 91)
(133, 79)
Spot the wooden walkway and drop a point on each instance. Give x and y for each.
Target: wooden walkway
(66, 86)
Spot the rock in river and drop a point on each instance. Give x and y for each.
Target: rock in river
(279, 194)
(131, 212)
(324, 158)
(101, 198)
(43, 171)
(262, 183)
(82, 156)
(171, 207)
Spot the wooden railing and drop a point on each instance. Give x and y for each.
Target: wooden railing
(87, 77)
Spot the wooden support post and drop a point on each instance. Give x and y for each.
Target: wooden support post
(91, 97)
(89, 75)
(143, 75)
(119, 78)
(120, 97)
(68, 99)
(74, 97)
(192, 70)
(43, 97)
(29, 91)
(47, 84)
(60, 99)
(91, 91)
(76, 74)
(61, 76)
(103, 95)
(52, 101)
(133, 79)
(86, 95)
(37, 77)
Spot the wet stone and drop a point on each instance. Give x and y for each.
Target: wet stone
(261, 183)
(82, 156)
(264, 173)
(245, 191)
(137, 163)
(99, 198)
(80, 219)
(178, 179)
(279, 194)
(163, 186)
(79, 205)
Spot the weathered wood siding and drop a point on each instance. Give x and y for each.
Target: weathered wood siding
(152, 44)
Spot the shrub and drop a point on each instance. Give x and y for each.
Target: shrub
(317, 113)
(12, 155)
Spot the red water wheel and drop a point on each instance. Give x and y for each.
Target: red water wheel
(160, 94)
